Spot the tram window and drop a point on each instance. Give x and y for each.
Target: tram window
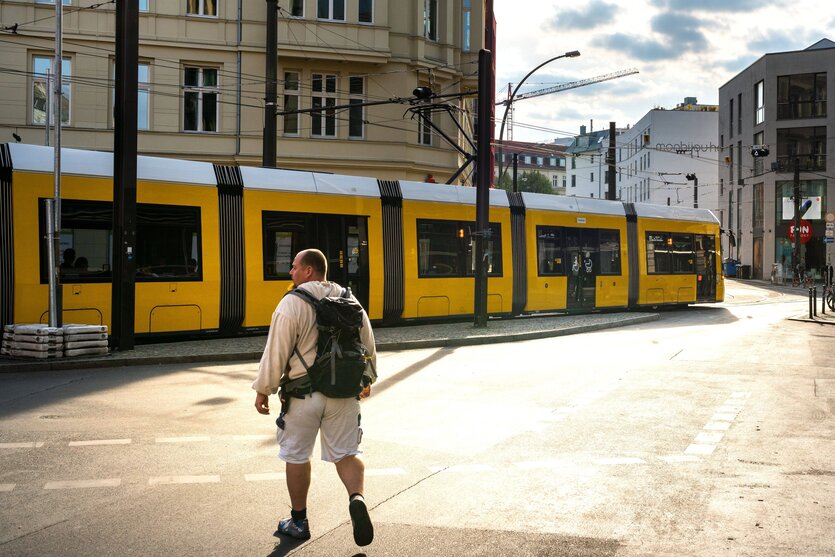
(86, 240)
(658, 253)
(284, 235)
(445, 249)
(609, 252)
(168, 243)
(682, 253)
(549, 251)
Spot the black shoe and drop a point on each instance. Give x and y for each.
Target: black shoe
(363, 529)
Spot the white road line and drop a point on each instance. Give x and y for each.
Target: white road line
(30, 445)
(709, 438)
(676, 458)
(82, 484)
(728, 409)
(265, 477)
(695, 448)
(253, 437)
(6, 487)
(721, 417)
(619, 460)
(717, 426)
(193, 439)
(384, 472)
(96, 442)
(536, 464)
(462, 468)
(160, 480)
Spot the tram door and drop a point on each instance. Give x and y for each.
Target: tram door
(705, 268)
(582, 255)
(344, 241)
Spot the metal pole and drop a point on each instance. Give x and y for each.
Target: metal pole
(124, 176)
(610, 160)
(485, 69)
(50, 256)
(271, 95)
(515, 171)
(695, 192)
(796, 251)
(49, 95)
(57, 310)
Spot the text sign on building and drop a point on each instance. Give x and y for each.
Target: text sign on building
(805, 231)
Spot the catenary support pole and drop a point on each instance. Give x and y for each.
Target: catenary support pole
(610, 160)
(796, 194)
(124, 176)
(485, 122)
(56, 311)
(515, 171)
(271, 95)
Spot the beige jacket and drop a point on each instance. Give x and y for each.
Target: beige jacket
(294, 324)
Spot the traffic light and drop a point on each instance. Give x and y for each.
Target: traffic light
(759, 151)
(422, 93)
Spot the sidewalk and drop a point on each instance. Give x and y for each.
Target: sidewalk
(801, 292)
(387, 339)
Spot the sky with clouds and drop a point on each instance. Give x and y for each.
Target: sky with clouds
(682, 48)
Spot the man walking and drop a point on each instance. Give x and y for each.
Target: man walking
(291, 346)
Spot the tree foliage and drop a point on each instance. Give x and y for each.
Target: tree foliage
(533, 181)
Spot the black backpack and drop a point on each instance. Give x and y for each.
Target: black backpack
(341, 357)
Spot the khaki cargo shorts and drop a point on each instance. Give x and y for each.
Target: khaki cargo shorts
(337, 420)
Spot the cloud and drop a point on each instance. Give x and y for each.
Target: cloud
(709, 5)
(681, 29)
(777, 41)
(594, 14)
(645, 50)
(738, 64)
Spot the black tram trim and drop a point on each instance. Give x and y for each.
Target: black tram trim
(391, 198)
(6, 239)
(518, 244)
(230, 190)
(632, 252)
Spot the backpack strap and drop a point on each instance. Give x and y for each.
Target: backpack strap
(310, 299)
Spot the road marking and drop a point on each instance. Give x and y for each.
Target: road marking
(700, 449)
(735, 409)
(462, 468)
(83, 484)
(619, 460)
(708, 438)
(96, 442)
(676, 458)
(536, 464)
(30, 445)
(6, 487)
(264, 477)
(717, 426)
(385, 472)
(720, 417)
(166, 480)
(193, 439)
(253, 437)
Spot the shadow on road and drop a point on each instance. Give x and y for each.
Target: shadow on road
(412, 369)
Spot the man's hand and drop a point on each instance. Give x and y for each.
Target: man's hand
(262, 403)
(366, 392)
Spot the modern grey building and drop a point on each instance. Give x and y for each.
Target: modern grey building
(779, 102)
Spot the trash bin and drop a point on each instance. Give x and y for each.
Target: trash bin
(743, 271)
(730, 268)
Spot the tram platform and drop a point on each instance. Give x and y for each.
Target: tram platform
(405, 337)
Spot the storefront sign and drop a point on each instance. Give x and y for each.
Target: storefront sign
(805, 231)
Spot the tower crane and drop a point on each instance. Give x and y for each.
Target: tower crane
(558, 88)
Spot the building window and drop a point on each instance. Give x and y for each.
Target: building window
(731, 120)
(424, 129)
(296, 8)
(555, 182)
(739, 113)
(323, 122)
(467, 20)
(758, 207)
(66, 2)
(446, 249)
(331, 9)
(41, 94)
(366, 11)
(201, 7)
(143, 5)
(573, 180)
(758, 161)
(759, 103)
(801, 96)
(739, 160)
(591, 176)
(200, 100)
(291, 102)
(807, 145)
(430, 19)
(356, 114)
(143, 98)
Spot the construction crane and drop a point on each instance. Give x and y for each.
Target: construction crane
(556, 89)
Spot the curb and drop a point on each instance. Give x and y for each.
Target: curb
(113, 360)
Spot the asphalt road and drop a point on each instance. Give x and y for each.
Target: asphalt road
(708, 432)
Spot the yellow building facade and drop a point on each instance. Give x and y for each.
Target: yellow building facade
(202, 68)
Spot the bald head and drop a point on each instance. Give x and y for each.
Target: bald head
(309, 265)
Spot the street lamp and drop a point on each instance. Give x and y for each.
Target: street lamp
(509, 102)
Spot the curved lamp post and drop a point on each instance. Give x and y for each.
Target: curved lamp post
(509, 102)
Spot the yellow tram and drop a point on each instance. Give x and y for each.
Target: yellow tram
(215, 244)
